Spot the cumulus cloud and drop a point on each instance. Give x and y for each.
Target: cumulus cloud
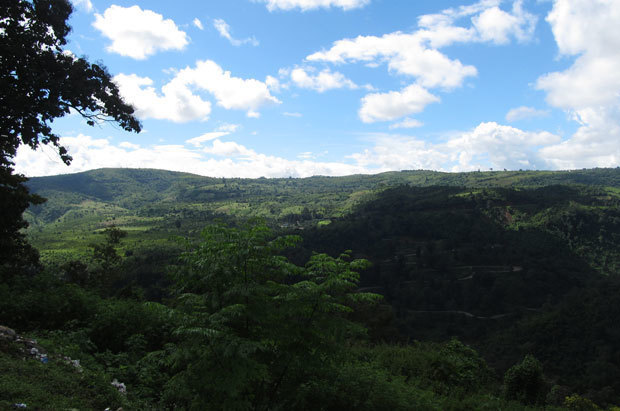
(230, 92)
(489, 145)
(322, 81)
(90, 153)
(416, 54)
(197, 23)
(221, 159)
(588, 31)
(138, 33)
(497, 26)
(224, 29)
(524, 112)
(596, 143)
(305, 5)
(405, 54)
(395, 104)
(178, 102)
(498, 145)
(175, 102)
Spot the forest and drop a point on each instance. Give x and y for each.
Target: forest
(145, 289)
(404, 290)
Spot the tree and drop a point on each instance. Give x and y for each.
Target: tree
(525, 382)
(257, 328)
(40, 82)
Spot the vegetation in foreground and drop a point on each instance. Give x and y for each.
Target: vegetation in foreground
(244, 328)
(509, 271)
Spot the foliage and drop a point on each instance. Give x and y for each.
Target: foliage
(525, 382)
(15, 251)
(508, 269)
(55, 385)
(451, 368)
(40, 82)
(578, 403)
(256, 326)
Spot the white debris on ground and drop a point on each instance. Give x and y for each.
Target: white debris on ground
(119, 386)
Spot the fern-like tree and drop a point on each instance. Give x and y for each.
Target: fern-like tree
(257, 328)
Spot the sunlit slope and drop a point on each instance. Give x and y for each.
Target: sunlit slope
(154, 204)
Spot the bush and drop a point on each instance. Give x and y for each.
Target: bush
(524, 382)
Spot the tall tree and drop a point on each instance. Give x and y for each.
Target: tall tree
(40, 82)
(256, 328)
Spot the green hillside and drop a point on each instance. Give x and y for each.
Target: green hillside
(156, 203)
(513, 264)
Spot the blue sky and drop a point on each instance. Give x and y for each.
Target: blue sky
(278, 88)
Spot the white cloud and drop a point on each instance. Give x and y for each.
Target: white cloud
(395, 104)
(224, 29)
(588, 29)
(222, 159)
(127, 144)
(496, 25)
(178, 101)
(230, 92)
(407, 123)
(90, 153)
(590, 88)
(221, 131)
(394, 152)
(229, 149)
(138, 33)
(524, 112)
(273, 84)
(287, 114)
(489, 145)
(305, 5)
(416, 54)
(405, 54)
(595, 144)
(498, 145)
(197, 141)
(85, 5)
(321, 82)
(198, 23)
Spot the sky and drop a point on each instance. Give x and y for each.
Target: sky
(296, 88)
